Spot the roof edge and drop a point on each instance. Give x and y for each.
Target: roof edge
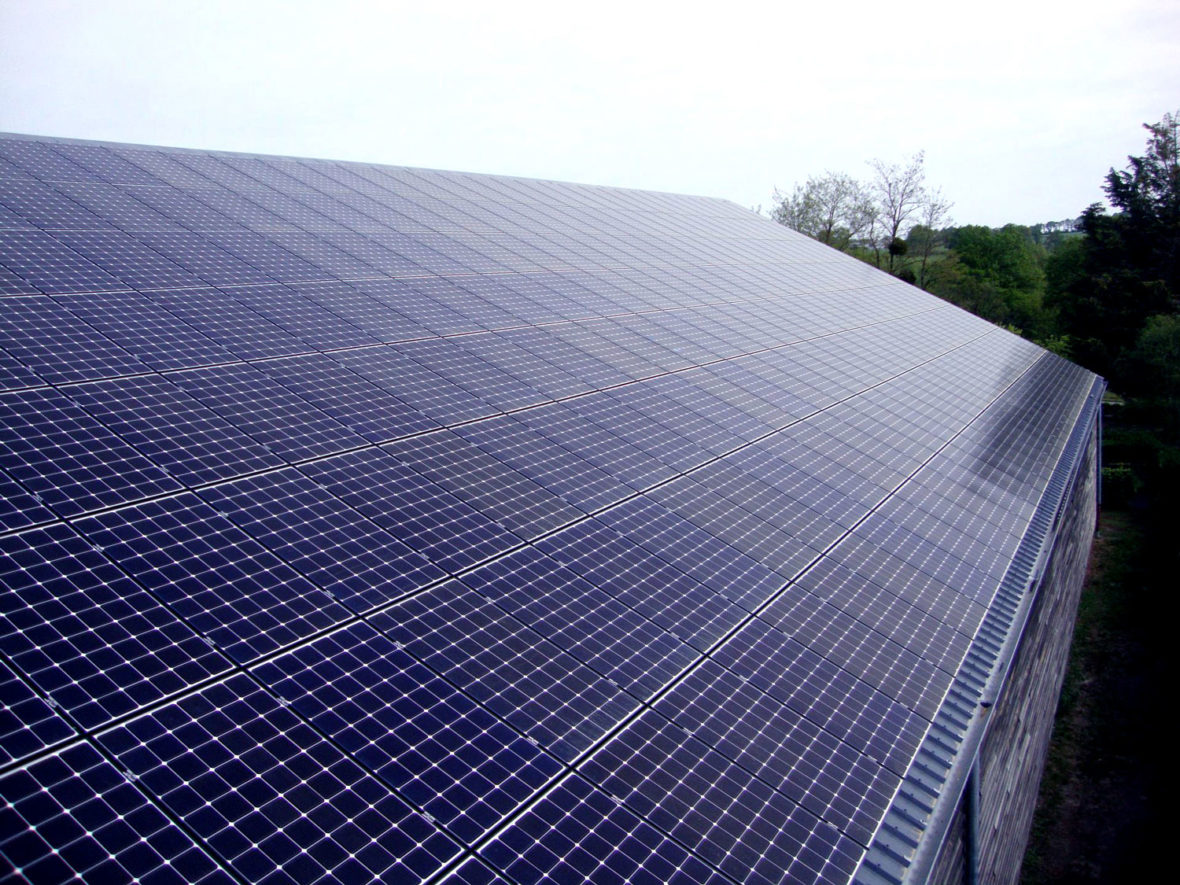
(914, 828)
(254, 155)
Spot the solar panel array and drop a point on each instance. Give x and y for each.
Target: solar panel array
(367, 523)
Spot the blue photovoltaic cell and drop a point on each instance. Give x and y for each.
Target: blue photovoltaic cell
(146, 330)
(106, 164)
(47, 265)
(345, 300)
(724, 569)
(259, 251)
(27, 722)
(835, 699)
(841, 638)
(204, 258)
(782, 748)
(546, 345)
(748, 532)
(408, 298)
(598, 445)
(440, 400)
(85, 635)
(41, 205)
(351, 558)
(13, 373)
(300, 317)
(120, 206)
(214, 576)
(653, 399)
(10, 220)
(186, 211)
(770, 504)
(535, 686)
(487, 484)
(18, 508)
(474, 872)
(579, 834)
(34, 159)
(576, 616)
(422, 515)
(502, 351)
(58, 344)
(58, 451)
(266, 792)
(126, 259)
(668, 445)
(414, 730)
(680, 785)
(367, 409)
(459, 298)
(191, 442)
(373, 524)
(268, 412)
(222, 318)
(575, 479)
(502, 391)
(926, 634)
(74, 817)
(658, 591)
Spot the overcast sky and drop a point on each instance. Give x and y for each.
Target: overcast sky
(1021, 105)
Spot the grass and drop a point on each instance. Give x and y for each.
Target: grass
(1096, 817)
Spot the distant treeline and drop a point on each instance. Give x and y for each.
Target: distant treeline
(1102, 290)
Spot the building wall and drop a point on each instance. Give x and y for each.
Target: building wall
(1014, 749)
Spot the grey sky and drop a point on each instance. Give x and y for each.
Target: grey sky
(1020, 105)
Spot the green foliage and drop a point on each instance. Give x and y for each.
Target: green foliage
(996, 274)
(1007, 259)
(1119, 485)
(1061, 345)
(1129, 267)
(1064, 268)
(1152, 366)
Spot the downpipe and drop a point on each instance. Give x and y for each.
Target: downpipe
(973, 823)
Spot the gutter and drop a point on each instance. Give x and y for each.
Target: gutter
(916, 825)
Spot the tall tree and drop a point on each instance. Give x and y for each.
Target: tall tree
(834, 209)
(900, 192)
(1130, 258)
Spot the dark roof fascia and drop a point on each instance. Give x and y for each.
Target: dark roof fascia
(913, 830)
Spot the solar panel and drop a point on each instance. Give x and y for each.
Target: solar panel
(423, 515)
(351, 558)
(73, 815)
(58, 345)
(374, 524)
(90, 640)
(69, 459)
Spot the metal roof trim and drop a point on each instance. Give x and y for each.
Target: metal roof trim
(913, 830)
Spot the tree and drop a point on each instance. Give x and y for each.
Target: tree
(996, 274)
(900, 192)
(1152, 366)
(934, 215)
(1130, 259)
(1147, 194)
(840, 211)
(834, 209)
